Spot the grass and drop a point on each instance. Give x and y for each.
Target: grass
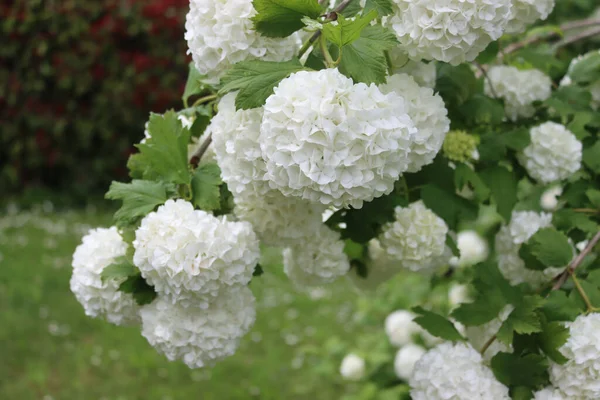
(50, 350)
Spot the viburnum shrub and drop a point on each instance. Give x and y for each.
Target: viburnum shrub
(369, 139)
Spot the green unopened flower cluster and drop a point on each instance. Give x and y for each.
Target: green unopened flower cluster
(460, 146)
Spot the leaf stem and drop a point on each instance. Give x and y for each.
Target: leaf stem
(328, 59)
(204, 99)
(330, 17)
(487, 344)
(582, 293)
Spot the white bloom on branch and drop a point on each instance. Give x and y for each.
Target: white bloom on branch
(199, 337)
(526, 12)
(416, 239)
(352, 367)
(190, 256)
(405, 360)
(453, 31)
(400, 327)
(220, 33)
(330, 141)
(100, 248)
(429, 114)
(579, 378)
(554, 153)
(518, 88)
(454, 371)
(316, 259)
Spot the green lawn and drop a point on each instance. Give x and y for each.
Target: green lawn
(50, 350)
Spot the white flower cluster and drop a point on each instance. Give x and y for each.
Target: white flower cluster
(405, 360)
(328, 140)
(99, 249)
(522, 226)
(472, 247)
(526, 12)
(401, 329)
(553, 154)
(549, 393)
(219, 34)
(189, 255)
(454, 371)
(479, 335)
(316, 259)
(199, 337)
(579, 378)
(452, 31)
(424, 74)
(416, 239)
(352, 367)
(429, 114)
(519, 89)
(594, 87)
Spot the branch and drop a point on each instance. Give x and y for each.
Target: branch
(201, 150)
(572, 39)
(582, 23)
(331, 16)
(487, 78)
(562, 278)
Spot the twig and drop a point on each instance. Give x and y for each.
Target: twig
(582, 293)
(572, 39)
(329, 17)
(204, 99)
(201, 150)
(562, 278)
(487, 78)
(587, 210)
(487, 344)
(582, 23)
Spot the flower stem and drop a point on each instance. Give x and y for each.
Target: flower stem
(328, 59)
(204, 99)
(487, 344)
(582, 293)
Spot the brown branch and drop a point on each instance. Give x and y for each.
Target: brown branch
(195, 160)
(582, 23)
(575, 38)
(562, 278)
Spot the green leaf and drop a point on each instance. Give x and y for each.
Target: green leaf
(528, 370)
(206, 193)
(281, 18)
(119, 269)
(586, 70)
(594, 196)
(166, 153)
(139, 198)
(524, 319)
(455, 84)
(521, 393)
(139, 288)
(482, 110)
(516, 139)
(194, 84)
(347, 31)
(551, 338)
(568, 219)
(383, 7)
(255, 80)
(364, 59)
(591, 157)
(578, 125)
(503, 187)
(449, 206)
(436, 325)
(258, 270)
(451, 243)
(464, 175)
(549, 246)
(559, 307)
(489, 54)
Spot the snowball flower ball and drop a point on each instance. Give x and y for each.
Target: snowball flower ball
(199, 337)
(400, 328)
(549, 393)
(526, 12)
(549, 199)
(580, 376)
(190, 255)
(472, 247)
(518, 88)
(220, 33)
(454, 371)
(330, 141)
(453, 31)
(278, 220)
(553, 154)
(405, 360)
(235, 141)
(100, 248)
(424, 74)
(317, 258)
(352, 367)
(416, 238)
(479, 335)
(523, 225)
(429, 114)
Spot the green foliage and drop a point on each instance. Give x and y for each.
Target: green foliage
(281, 18)
(206, 182)
(383, 7)
(524, 319)
(193, 85)
(141, 291)
(255, 80)
(447, 205)
(346, 31)
(139, 198)
(528, 370)
(591, 157)
(121, 268)
(552, 336)
(546, 248)
(436, 325)
(587, 70)
(560, 307)
(503, 188)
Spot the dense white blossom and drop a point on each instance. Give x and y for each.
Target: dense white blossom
(553, 154)
(235, 141)
(458, 294)
(579, 378)
(594, 87)
(522, 226)
(549, 199)
(190, 255)
(416, 238)
(518, 88)
(199, 337)
(454, 371)
(425, 74)
(278, 220)
(406, 358)
(472, 247)
(100, 248)
(400, 328)
(429, 114)
(316, 259)
(328, 140)
(479, 335)
(220, 33)
(549, 393)
(352, 367)
(526, 12)
(453, 31)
